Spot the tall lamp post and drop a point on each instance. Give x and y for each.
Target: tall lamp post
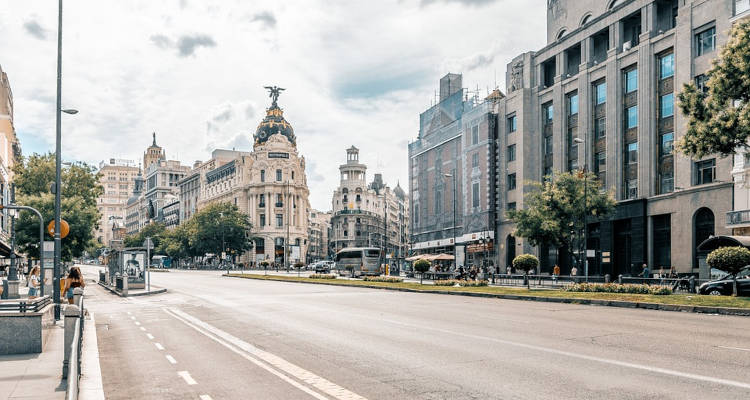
(584, 245)
(58, 164)
(455, 245)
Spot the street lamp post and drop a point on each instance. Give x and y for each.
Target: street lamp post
(584, 245)
(455, 248)
(288, 221)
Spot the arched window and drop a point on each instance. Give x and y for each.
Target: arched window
(703, 227)
(562, 33)
(614, 3)
(586, 18)
(510, 250)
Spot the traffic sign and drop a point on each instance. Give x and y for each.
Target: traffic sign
(148, 244)
(64, 228)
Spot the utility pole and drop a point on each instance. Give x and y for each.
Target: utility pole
(58, 166)
(288, 221)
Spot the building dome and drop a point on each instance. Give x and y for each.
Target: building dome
(274, 122)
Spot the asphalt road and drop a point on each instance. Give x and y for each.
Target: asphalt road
(211, 337)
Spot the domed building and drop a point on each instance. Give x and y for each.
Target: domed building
(269, 185)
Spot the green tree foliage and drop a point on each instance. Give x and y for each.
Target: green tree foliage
(220, 226)
(154, 230)
(421, 266)
(731, 260)
(80, 190)
(719, 120)
(553, 211)
(525, 262)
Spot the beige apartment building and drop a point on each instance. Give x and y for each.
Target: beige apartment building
(10, 154)
(117, 178)
(319, 225)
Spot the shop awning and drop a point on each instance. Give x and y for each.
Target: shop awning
(714, 242)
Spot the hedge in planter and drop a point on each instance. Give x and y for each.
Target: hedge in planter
(731, 260)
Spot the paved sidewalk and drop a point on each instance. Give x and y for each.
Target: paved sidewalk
(35, 376)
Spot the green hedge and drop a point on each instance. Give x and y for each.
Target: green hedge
(322, 276)
(461, 282)
(389, 279)
(616, 288)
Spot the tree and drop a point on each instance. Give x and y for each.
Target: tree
(719, 120)
(731, 260)
(80, 190)
(421, 266)
(220, 227)
(526, 263)
(154, 230)
(554, 211)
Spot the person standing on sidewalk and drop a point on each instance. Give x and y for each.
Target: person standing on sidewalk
(33, 283)
(555, 273)
(74, 280)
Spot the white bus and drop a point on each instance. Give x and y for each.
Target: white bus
(359, 260)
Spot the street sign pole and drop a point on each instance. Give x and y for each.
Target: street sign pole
(148, 244)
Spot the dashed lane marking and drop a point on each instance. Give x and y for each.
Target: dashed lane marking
(150, 336)
(270, 362)
(205, 397)
(133, 318)
(733, 348)
(159, 346)
(186, 376)
(137, 323)
(143, 329)
(171, 359)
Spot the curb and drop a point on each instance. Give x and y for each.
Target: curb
(596, 302)
(157, 291)
(90, 386)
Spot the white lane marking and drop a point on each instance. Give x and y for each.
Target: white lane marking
(128, 312)
(618, 363)
(137, 323)
(171, 359)
(733, 348)
(133, 318)
(143, 329)
(270, 362)
(159, 346)
(150, 336)
(205, 397)
(186, 376)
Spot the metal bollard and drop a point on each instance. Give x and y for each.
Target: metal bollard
(125, 285)
(692, 284)
(619, 279)
(72, 312)
(607, 278)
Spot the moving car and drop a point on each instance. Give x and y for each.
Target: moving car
(323, 266)
(723, 285)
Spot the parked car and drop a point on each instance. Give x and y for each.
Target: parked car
(322, 268)
(723, 285)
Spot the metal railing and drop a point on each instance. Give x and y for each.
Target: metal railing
(74, 364)
(738, 217)
(23, 305)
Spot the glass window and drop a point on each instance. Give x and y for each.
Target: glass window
(549, 113)
(279, 220)
(631, 187)
(632, 117)
(262, 219)
(701, 82)
(666, 66)
(511, 153)
(632, 156)
(511, 181)
(667, 105)
(666, 183)
(512, 124)
(600, 162)
(475, 134)
(705, 171)
(262, 201)
(573, 104)
(662, 241)
(511, 205)
(601, 93)
(263, 175)
(666, 144)
(278, 175)
(705, 41)
(475, 160)
(741, 6)
(600, 128)
(631, 80)
(475, 194)
(548, 145)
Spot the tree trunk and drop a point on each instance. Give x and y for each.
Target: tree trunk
(421, 276)
(734, 286)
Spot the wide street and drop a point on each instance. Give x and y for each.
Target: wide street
(228, 338)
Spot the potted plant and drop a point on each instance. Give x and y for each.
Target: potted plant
(526, 262)
(730, 260)
(421, 266)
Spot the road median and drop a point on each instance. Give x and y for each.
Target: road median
(675, 302)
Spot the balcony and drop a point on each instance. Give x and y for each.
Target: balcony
(738, 219)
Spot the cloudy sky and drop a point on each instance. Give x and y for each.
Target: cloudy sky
(357, 72)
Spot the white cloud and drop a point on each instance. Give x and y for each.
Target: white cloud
(356, 72)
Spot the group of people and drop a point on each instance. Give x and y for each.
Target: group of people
(72, 281)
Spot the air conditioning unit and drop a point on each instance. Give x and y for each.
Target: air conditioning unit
(626, 46)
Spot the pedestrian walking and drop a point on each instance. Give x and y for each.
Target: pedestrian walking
(34, 283)
(645, 273)
(555, 273)
(574, 271)
(74, 280)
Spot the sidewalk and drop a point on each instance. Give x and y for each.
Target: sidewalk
(35, 376)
